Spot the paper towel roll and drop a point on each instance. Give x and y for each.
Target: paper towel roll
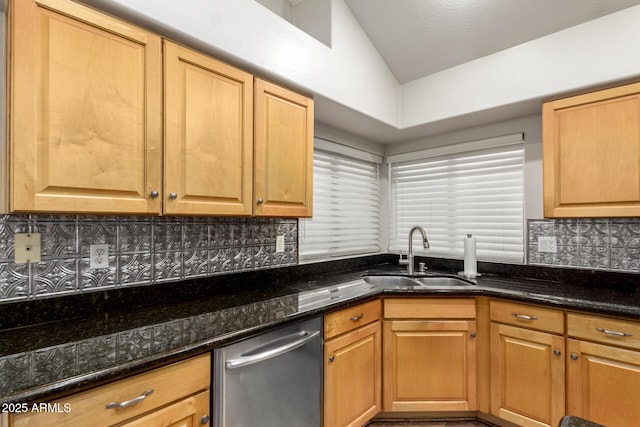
(470, 262)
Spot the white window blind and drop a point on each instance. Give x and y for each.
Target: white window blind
(478, 192)
(346, 207)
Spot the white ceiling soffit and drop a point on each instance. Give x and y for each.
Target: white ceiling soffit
(417, 38)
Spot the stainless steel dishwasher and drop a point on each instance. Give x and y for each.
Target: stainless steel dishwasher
(271, 380)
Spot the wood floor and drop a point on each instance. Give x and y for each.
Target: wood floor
(418, 423)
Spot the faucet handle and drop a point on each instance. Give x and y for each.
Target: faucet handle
(403, 261)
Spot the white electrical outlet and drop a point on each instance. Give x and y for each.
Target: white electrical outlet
(280, 243)
(547, 244)
(27, 248)
(98, 256)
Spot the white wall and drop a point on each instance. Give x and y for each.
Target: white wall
(314, 16)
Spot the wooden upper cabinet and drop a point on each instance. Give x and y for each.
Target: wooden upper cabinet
(283, 144)
(208, 135)
(85, 111)
(591, 154)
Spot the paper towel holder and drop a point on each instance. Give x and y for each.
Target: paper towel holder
(467, 275)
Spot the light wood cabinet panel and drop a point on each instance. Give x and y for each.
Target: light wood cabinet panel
(208, 109)
(527, 376)
(189, 412)
(429, 365)
(342, 321)
(283, 144)
(605, 330)
(85, 123)
(603, 383)
(353, 369)
(527, 316)
(417, 308)
(169, 384)
(591, 154)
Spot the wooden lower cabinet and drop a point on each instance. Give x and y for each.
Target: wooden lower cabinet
(429, 365)
(177, 395)
(352, 389)
(527, 376)
(352, 365)
(603, 383)
(429, 356)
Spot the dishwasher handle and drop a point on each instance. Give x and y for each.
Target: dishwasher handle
(273, 352)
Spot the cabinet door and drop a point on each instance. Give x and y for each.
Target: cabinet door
(85, 111)
(190, 412)
(591, 154)
(352, 389)
(429, 366)
(603, 383)
(208, 135)
(283, 169)
(527, 376)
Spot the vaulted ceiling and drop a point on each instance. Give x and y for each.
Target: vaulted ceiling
(417, 38)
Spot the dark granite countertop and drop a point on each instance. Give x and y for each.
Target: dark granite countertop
(70, 349)
(570, 421)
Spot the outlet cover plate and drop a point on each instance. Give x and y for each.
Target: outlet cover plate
(98, 256)
(280, 243)
(547, 244)
(27, 248)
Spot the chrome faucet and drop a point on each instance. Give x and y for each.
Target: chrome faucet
(408, 261)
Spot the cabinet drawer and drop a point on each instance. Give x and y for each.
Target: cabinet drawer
(606, 330)
(414, 308)
(169, 384)
(350, 318)
(528, 316)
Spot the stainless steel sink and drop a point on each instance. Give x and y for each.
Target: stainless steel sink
(391, 281)
(404, 281)
(442, 281)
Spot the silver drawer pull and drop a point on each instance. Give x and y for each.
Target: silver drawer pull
(524, 316)
(130, 402)
(613, 333)
(358, 317)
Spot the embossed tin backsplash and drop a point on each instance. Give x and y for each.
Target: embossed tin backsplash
(604, 244)
(142, 251)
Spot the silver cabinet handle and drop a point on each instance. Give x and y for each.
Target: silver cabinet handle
(524, 316)
(332, 358)
(473, 335)
(131, 402)
(273, 352)
(260, 201)
(358, 317)
(557, 352)
(613, 333)
(154, 194)
(574, 356)
(173, 196)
